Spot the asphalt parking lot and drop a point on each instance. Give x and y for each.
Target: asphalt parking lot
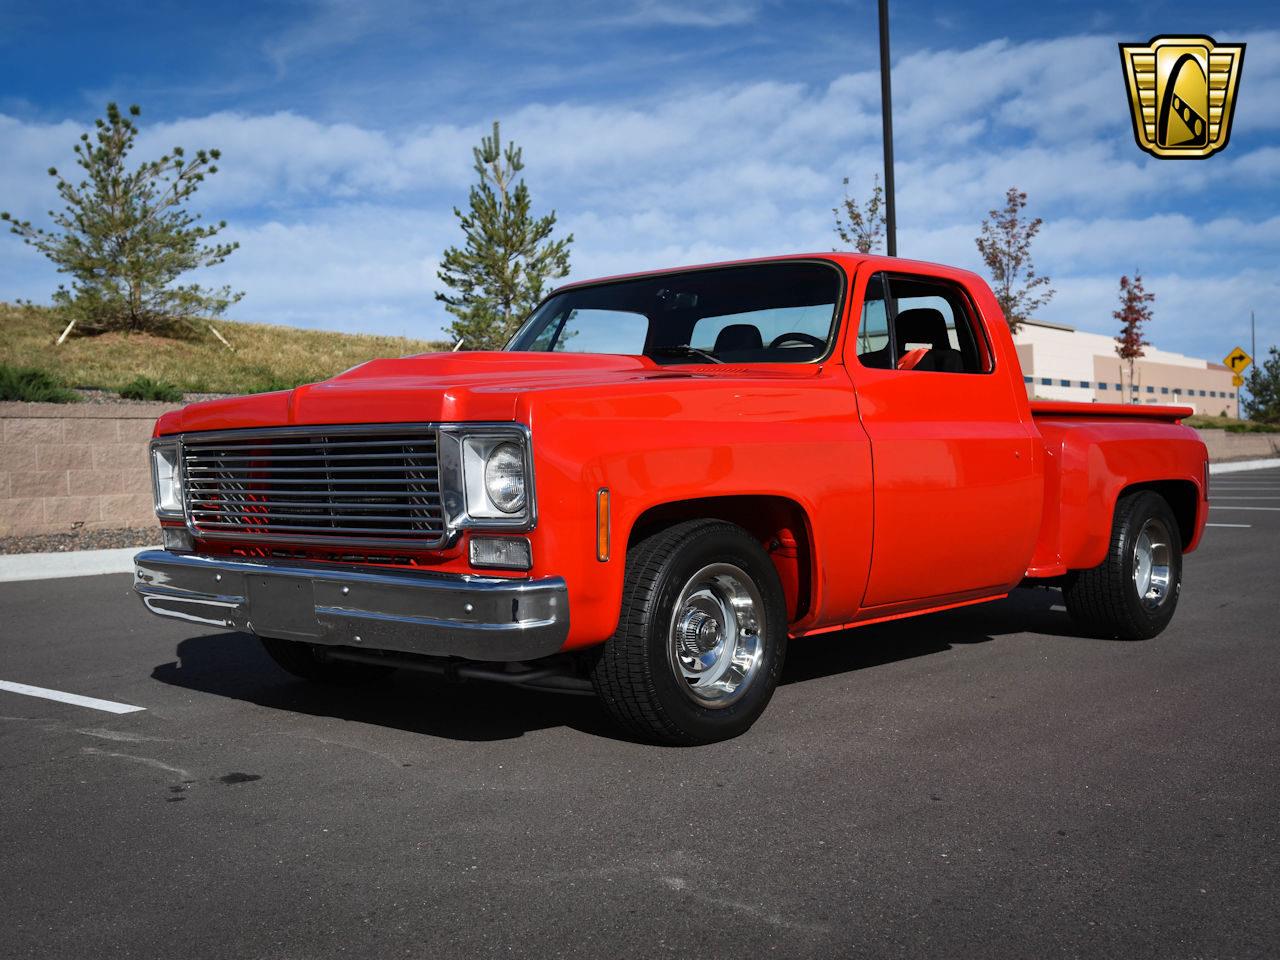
(978, 783)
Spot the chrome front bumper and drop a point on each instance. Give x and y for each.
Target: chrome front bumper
(480, 618)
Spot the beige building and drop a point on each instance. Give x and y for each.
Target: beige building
(1062, 363)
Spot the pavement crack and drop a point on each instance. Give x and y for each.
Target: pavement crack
(145, 761)
(395, 761)
(678, 884)
(102, 733)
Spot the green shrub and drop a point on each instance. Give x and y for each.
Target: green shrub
(33, 386)
(1252, 426)
(1230, 424)
(144, 388)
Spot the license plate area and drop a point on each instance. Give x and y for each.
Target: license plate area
(282, 607)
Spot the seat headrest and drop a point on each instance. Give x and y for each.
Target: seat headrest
(738, 336)
(922, 325)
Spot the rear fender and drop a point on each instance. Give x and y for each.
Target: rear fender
(1090, 464)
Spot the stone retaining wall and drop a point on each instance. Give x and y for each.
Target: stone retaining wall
(1225, 446)
(66, 467)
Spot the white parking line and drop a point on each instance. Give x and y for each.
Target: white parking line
(1243, 525)
(1246, 498)
(1214, 506)
(93, 703)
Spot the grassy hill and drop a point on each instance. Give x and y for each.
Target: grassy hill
(265, 357)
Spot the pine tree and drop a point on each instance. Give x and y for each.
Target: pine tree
(499, 275)
(1005, 245)
(1133, 313)
(1263, 402)
(861, 226)
(125, 237)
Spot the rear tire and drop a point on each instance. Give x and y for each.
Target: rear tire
(1133, 593)
(307, 661)
(701, 637)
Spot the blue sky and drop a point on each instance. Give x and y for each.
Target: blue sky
(662, 133)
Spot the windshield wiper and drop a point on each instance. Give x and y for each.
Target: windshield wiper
(684, 350)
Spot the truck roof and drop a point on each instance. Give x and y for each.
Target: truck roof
(849, 259)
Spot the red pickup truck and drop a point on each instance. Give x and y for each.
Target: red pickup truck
(662, 481)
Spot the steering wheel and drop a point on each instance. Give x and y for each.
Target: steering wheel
(795, 336)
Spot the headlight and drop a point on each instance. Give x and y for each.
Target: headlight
(166, 478)
(504, 478)
(494, 477)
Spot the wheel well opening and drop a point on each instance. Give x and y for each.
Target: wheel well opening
(1183, 499)
(780, 525)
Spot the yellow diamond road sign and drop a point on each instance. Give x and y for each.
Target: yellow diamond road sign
(1237, 381)
(1237, 360)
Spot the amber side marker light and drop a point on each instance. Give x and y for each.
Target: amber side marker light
(602, 524)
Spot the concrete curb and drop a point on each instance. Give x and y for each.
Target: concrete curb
(1241, 465)
(73, 563)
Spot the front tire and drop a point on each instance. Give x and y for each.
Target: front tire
(701, 637)
(1133, 593)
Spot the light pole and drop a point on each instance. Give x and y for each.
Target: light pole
(886, 113)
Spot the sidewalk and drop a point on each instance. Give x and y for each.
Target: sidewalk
(76, 563)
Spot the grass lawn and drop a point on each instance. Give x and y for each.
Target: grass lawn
(265, 357)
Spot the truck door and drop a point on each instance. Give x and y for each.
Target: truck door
(957, 494)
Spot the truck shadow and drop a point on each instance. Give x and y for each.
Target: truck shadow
(1031, 610)
(234, 665)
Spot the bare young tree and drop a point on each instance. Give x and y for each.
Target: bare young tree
(1005, 245)
(1133, 313)
(861, 226)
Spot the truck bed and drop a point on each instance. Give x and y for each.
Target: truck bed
(1133, 411)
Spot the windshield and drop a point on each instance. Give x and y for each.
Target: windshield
(758, 313)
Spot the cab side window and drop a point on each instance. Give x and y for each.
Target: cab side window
(929, 326)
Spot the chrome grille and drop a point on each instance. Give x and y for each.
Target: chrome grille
(323, 485)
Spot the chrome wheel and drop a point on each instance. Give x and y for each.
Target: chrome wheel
(1152, 560)
(716, 635)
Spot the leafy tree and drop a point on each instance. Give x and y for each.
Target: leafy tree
(125, 237)
(1263, 402)
(1134, 312)
(861, 226)
(499, 274)
(1005, 245)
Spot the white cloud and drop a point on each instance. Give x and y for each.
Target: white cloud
(724, 13)
(341, 224)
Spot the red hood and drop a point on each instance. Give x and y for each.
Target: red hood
(434, 387)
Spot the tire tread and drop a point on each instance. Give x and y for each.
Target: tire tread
(1098, 599)
(623, 672)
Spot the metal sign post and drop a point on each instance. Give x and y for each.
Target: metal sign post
(886, 113)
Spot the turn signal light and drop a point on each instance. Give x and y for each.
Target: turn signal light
(177, 539)
(509, 553)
